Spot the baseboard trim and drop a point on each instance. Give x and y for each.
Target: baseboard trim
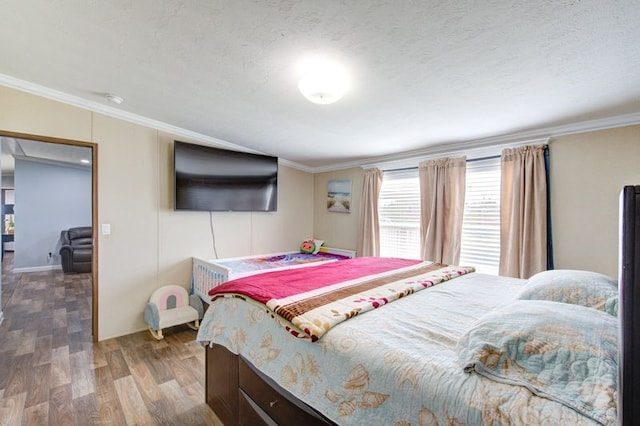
(37, 269)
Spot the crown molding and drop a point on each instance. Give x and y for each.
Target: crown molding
(295, 165)
(487, 146)
(45, 92)
(451, 148)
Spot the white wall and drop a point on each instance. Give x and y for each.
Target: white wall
(337, 229)
(48, 199)
(150, 244)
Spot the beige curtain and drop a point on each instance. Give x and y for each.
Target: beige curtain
(369, 231)
(442, 187)
(523, 212)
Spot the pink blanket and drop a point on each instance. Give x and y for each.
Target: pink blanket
(309, 301)
(285, 283)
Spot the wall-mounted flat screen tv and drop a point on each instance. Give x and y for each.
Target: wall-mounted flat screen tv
(214, 179)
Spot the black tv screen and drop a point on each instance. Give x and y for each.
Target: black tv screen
(214, 179)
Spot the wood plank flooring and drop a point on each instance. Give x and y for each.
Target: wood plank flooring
(51, 372)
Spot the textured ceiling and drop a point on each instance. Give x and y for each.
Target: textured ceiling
(423, 73)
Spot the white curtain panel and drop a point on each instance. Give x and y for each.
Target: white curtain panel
(442, 189)
(369, 231)
(523, 212)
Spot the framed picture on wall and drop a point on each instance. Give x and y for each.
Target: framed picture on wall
(339, 196)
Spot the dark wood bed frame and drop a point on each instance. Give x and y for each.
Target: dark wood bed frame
(240, 395)
(629, 309)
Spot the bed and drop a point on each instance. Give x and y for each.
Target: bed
(211, 273)
(550, 360)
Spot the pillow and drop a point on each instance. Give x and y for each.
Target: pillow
(311, 245)
(585, 288)
(566, 353)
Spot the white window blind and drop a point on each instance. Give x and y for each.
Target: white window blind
(480, 246)
(399, 214)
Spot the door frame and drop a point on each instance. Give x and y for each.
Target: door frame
(94, 211)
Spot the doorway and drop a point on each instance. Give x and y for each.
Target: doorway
(46, 152)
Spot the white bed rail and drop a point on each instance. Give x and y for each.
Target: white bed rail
(207, 275)
(342, 252)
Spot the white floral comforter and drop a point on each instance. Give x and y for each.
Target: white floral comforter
(396, 365)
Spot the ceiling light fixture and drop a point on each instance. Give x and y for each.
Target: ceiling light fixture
(324, 82)
(85, 161)
(114, 99)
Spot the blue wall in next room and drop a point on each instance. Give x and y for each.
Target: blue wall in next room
(48, 199)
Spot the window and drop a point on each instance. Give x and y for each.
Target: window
(480, 246)
(399, 214)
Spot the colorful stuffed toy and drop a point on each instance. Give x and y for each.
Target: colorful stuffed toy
(311, 245)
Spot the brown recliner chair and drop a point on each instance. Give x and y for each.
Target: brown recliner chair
(76, 249)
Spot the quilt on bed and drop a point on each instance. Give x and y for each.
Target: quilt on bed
(370, 370)
(308, 302)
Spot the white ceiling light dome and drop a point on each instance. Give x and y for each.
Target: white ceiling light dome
(323, 81)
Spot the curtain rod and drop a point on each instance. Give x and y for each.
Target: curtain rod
(491, 157)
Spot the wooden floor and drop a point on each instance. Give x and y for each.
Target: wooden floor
(52, 373)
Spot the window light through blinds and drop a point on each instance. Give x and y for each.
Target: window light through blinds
(399, 214)
(480, 246)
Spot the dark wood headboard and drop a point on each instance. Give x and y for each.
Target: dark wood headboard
(629, 309)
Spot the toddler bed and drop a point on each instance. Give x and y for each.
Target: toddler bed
(208, 274)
